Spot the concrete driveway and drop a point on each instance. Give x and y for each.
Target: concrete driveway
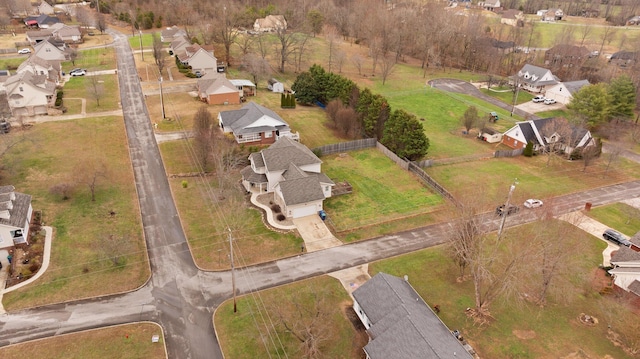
(315, 233)
(593, 227)
(532, 107)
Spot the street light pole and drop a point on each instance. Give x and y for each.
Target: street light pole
(233, 273)
(505, 210)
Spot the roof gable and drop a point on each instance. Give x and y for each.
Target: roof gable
(286, 151)
(249, 114)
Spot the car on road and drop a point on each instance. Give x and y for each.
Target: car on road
(533, 203)
(616, 237)
(24, 51)
(538, 98)
(77, 72)
(549, 101)
(500, 210)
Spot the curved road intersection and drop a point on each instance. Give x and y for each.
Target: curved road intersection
(182, 298)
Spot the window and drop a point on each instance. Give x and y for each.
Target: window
(47, 50)
(268, 134)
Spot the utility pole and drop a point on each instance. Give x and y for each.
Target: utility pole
(505, 211)
(161, 98)
(141, 50)
(233, 274)
(515, 95)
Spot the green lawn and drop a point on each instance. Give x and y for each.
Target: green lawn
(506, 95)
(382, 191)
(257, 330)
(147, 40)
(93, 60)
(553, 330)
(546, 33)
(12, 64)
(130, 341)
(619, 216)
(80, 266)
(82, 87)
(535, 179)
(553, 113)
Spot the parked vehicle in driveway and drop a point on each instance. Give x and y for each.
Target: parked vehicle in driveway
(616, 237)
(24, 51)
(77, 72)
(549, 101)
(500, 210)
(538, 98)
(533, 203)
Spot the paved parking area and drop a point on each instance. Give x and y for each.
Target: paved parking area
(533, 107)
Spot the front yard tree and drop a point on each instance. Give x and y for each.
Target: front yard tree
(159, 55)
(622, 97)
(96, 88)
(89, 172)
(115, 248)
(202, 140)
(470, 118)
(591, 103)
(225, 32)
(285, 47)
(404, 136)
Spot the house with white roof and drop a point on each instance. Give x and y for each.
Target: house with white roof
(15, 216)
(534, 79)
(290, 171)
(255, 125)
(563, 92)
(401, 325)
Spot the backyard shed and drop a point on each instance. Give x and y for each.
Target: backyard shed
(275, 86)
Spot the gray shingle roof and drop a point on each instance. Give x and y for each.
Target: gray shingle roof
(575, 86)
(536, 73)
(20, 209)
(634, 287)
(403, 325)
(625, 254)
(240, 120)
(248, 175)
(285, 151)
(301, 190)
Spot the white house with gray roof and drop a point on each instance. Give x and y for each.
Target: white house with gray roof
(626, 266)
(400, 324)
(563, 92)
(255, 125)
(535, 79)
(15, 215)
(290, 171)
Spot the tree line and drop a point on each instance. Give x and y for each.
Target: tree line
(357, 113)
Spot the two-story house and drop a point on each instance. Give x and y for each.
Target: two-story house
(534, 79)
(29, 94)
(290, 171)
(15, 216)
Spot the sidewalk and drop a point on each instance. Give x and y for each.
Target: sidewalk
(45, 264)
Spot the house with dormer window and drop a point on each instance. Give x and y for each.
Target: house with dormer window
(290, 171)
(15, 216)
(543, 133)
(534, 79)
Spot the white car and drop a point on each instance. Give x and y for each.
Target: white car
(538, 98)
(533, 203)
(77, 72)
(549, 101)
(24, 51)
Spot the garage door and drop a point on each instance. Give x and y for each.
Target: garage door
(304, 211)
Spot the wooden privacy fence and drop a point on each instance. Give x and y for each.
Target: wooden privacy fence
(508, 153)
(345, 146)
(412, 167)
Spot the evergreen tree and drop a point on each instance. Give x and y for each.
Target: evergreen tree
(404, 136)
(528, 150)
(622, 97)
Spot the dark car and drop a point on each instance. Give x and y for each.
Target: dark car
(5, 126)
(616, 237)
(500, 210)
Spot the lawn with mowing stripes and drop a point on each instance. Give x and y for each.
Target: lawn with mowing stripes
(381, 190)
(619, 216)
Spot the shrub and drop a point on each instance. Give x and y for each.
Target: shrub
(276, 208)
(281, 217)
(185, 184)
(528, 150)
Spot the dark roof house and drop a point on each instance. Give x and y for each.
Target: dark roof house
(400, 324)
(536, 132)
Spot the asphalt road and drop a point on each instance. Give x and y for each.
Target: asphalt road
(182, 298)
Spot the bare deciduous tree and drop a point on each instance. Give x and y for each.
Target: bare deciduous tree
(202, 140)
(357, 61)
(96, 88)
(469, 118)
(226, 158)
(307, 321)
(386, 67)
(115, 248)
(89, 172)
(159, 55)
(257, 66)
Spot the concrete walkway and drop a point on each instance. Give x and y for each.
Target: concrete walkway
(46, 257)
(272, 221)
(352, 278)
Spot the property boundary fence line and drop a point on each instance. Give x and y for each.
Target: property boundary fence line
(403, 163)
(346, 146)
(508, 153)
